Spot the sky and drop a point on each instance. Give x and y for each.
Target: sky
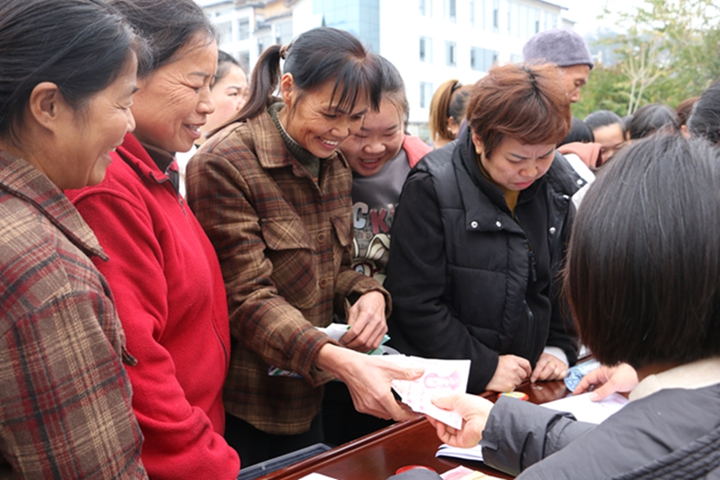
(585, 12)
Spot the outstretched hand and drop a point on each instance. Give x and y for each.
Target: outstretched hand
(473, 409)
(369, 380)
(607, 380)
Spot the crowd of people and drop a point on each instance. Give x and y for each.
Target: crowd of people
(163, 311)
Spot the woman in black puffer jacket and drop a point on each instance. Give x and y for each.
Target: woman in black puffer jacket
(480, 237)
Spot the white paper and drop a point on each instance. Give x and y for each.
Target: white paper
(585, 410)
(317, 476)
(474, 453)
(442, 378)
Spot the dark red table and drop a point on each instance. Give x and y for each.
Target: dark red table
(414, 442)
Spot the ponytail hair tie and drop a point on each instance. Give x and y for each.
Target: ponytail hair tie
(284, 50)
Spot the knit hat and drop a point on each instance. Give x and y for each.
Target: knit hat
(562, 47)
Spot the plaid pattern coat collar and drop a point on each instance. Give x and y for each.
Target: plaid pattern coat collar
(283, 242)
(65, 396)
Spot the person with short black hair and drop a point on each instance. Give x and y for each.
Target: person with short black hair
(579, 132)
(653, 118)
(643, 280)
(65, 396)
(479, 236)
(609, 131)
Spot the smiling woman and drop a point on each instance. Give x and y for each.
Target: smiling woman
(65, 396)
(163, 270)
(273, 194)
(380, 156)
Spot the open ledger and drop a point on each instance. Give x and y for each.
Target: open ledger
(582, 408)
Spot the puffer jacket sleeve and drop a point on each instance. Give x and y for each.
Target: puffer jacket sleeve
(519, 434)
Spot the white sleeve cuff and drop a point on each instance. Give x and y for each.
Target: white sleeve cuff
(557, 352)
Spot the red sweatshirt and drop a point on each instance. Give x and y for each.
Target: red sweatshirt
(171, 301)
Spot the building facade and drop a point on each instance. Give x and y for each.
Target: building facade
(429, 41)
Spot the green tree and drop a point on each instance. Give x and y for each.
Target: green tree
(668, 51)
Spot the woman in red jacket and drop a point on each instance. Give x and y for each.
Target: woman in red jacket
(163, 270)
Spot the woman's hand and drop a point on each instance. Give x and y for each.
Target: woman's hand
(473, 409)
(608, 380)
(368, 379)
(511, 371)
(549, 368)
(367, 323)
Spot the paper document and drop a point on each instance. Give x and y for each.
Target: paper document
(585, 410)
(442, 378)
(474, 453)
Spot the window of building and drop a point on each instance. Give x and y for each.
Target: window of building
(426, 49)
(264, 42)
(496, 15)
(424, 7)
(451, 10)
(450, 50)
(225, 31)
(243, 25)
(426, 93)
(283, 32)
(359, 17)
(482, 59)
(472, 12)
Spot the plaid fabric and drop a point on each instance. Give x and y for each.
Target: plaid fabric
(283, 242)
(65, 405)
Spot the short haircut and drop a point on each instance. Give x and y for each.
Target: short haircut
(42, 41)
(603, 118)
(653, 118)
(579, 132)
(527, 103)
(168, 25)
(643, 271)
(704, 120)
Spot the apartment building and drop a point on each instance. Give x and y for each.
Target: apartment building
(429, 41)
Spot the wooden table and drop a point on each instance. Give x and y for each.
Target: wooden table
(378, 456)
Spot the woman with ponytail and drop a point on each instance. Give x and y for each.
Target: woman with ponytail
(447, 111)
(273, 194)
